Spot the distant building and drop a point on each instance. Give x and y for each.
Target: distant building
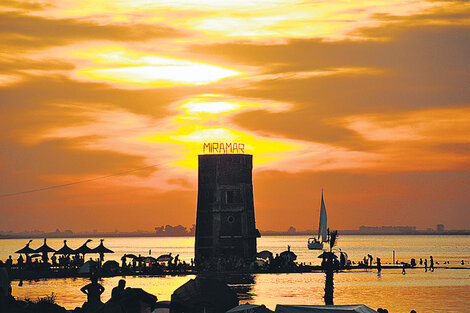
(170, 231)
(225, 221)
(387, 229)
(440, 228)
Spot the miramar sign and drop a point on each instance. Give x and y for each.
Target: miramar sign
(223, 147)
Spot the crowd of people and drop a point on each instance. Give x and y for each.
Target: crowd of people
(62, 261)
(69, 265)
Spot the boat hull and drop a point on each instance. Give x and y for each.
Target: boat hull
(313, 244)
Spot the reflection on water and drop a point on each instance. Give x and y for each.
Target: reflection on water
(440, 291)
(242, 284)
(445, 290)
(67, 291)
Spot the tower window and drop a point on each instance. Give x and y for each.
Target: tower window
(232, 196)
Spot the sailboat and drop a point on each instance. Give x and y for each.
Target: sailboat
(317, 243)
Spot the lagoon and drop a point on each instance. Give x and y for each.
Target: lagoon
(444, 290)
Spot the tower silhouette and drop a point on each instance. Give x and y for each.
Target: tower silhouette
(225, 222)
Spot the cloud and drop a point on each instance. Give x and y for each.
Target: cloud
(376, 110)
(9, 64)
(67, 159)
(419, 67)
(57, 93)
(21, 31)
(433, 125)
(24, 5)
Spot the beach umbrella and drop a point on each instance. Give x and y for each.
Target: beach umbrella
(149, 259)
(165, 258)
(132, 256)
(326, 255)
(265, 254)
(260, 263)
(84, 249)
(101, 249)
(87, 268)
(288, 255)
(110, 267)
(65, 250)
(44, 248)
(26, 249)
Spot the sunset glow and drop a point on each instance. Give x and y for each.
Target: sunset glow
(151, 71)
(368, 100)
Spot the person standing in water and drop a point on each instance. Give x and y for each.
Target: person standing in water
(425, 265)
(431, 264)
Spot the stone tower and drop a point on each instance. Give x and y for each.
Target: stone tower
(225, 222)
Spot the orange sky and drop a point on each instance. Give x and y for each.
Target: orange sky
(369, 100)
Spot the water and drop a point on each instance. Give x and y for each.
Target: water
(444, 290)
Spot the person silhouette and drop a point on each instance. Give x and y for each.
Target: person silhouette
(5, 287)
(9, 263)
(425, 265)
(93, 292)
(431, 264)
(118, 291)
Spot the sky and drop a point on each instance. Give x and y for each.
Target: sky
(367, 100)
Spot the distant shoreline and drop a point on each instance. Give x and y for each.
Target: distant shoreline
(266, 234)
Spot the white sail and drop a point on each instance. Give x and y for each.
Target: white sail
(323, 222)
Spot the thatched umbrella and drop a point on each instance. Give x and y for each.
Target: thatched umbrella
(44, 249)
(84, 249)
(265, 254)
(65, 250)
(288, 256)
(26, 249)
(165, 258)
(328, 266)
(101, 249)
